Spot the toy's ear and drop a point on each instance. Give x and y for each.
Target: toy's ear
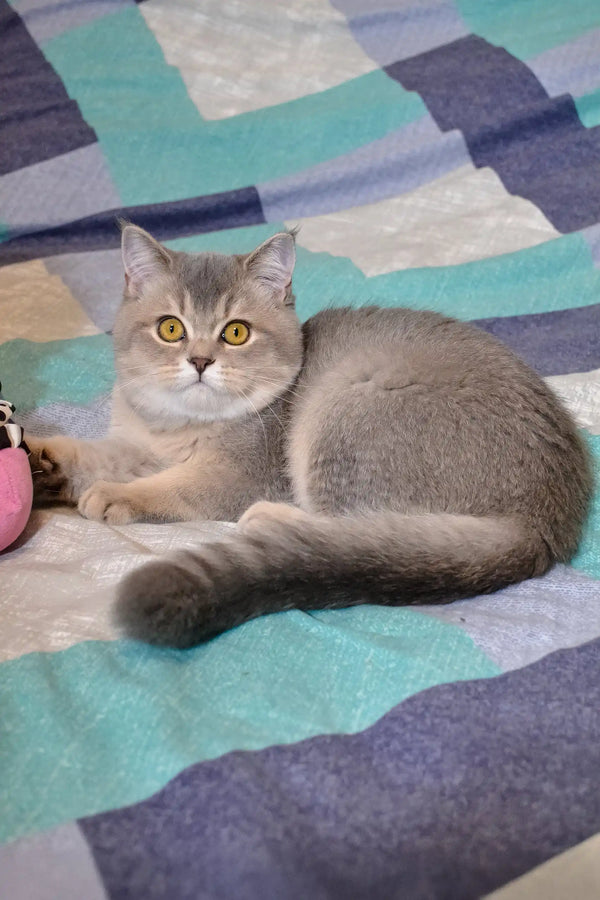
(272, 265)
(144, 259)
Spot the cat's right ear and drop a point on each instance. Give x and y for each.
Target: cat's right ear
(144, 259)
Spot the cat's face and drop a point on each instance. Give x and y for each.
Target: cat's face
(205, 337)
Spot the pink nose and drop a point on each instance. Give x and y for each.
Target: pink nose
(200, 363)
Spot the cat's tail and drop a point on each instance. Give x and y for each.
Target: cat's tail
(284, 559)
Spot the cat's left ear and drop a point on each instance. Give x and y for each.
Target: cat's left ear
(144, 259)
(273, 264)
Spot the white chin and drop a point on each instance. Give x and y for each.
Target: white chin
(211, 407)
(197, 403)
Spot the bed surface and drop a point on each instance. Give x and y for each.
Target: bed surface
(439, 155)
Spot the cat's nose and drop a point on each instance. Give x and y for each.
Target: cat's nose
(200, 363)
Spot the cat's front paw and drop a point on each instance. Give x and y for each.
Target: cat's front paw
(50, 460)
(110, 502)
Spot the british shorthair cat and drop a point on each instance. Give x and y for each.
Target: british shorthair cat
(370, 455)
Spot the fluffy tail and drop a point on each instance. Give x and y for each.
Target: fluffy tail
(315, 562)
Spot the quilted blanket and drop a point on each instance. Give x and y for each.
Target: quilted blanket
(441, 154)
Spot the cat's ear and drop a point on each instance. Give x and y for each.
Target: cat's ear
(144, 259)
(273, 263)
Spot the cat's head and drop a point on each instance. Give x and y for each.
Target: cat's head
(203, 337)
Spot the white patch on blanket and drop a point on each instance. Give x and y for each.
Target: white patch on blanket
(234, 58)
(58, 584)
(463, 216)
(580, 391)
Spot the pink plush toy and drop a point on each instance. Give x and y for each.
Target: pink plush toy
(16, 486)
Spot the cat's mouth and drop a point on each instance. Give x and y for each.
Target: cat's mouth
(198, 385)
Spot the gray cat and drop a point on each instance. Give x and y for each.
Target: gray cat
(374, 455)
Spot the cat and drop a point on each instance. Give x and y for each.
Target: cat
(373, 455)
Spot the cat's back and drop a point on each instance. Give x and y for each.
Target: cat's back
(442, 409)
(433, 347)
(433, 359)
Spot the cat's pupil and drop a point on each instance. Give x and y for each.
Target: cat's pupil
(236, 331)
(171, 328)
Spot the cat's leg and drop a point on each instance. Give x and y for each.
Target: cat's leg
(63, 467)
(367, 436)
(184, 492)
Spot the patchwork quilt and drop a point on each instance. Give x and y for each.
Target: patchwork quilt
(442, 154)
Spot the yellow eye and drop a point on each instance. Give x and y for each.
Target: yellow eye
(235, 333)
(171, 329)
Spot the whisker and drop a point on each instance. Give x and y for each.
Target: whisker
(291, 391)
(248, 400)
(103, 399)
(273, 413)
(143, 375)
(141, 366)
(284, 388)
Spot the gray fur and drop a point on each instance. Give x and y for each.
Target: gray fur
(407, 457)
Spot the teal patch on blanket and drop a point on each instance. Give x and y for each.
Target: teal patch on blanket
(146, 123)
(588, 108)
(77, 370)
(558, 274)
(101, 725)
(137, 104)
(328, 121)
(233, 240)
(528, 27)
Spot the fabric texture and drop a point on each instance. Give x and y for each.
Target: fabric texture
(440, 155)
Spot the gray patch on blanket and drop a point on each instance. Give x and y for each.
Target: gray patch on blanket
(32, 198)
(96, 281)
(45, 24)
(591, 235)
(85, 422)
(388, 34)
(523, 623)
(400, 162)
(56, 863)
